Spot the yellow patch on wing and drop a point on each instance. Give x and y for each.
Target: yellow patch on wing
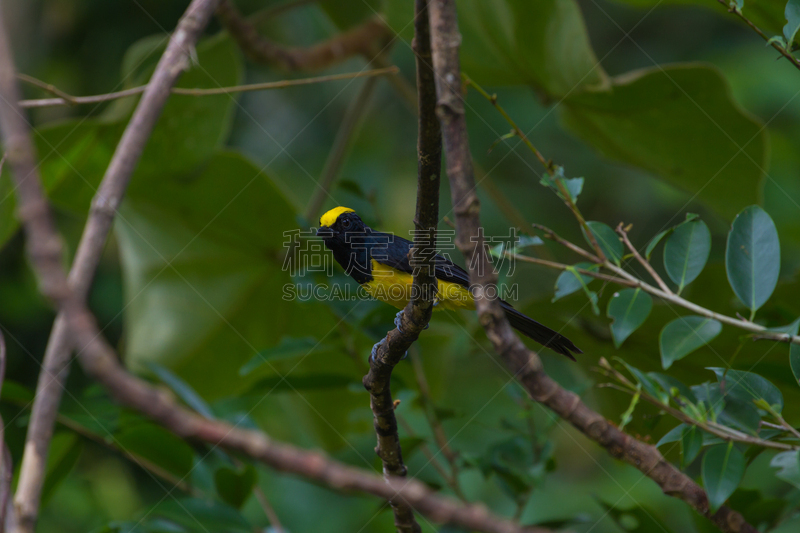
(394, 287)
(329, 218)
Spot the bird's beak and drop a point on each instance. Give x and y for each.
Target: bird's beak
(325, 232)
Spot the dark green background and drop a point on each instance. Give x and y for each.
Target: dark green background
(192, 277)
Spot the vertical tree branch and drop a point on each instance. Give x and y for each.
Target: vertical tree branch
(417, 313)
(525, 364)
(55, 366)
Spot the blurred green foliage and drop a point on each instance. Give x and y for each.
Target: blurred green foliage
(665, 108)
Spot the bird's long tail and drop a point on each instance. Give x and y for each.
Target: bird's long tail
(540, 333)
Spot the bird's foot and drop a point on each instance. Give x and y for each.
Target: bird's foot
(398, 319)
(374, 351)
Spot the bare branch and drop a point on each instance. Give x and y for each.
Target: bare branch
(66, 99)
(525, 364)
(366, 39)
(47, 247)
(417, 313)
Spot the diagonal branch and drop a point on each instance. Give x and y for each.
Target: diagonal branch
(366, 39)
(525, 364)
(417, 313)
(55, 366)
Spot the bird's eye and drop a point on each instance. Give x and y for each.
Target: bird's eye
(346, 223)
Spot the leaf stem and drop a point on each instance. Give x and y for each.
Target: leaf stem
(783, 51)
(646, 264)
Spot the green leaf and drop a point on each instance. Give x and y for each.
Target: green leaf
(668, 383)
(792, 21)
(204, 279)
(686, 252)
(723, 469)
(691, 444)
(607, 239)
(673, 435)
(570, 280)
(182, 389)
(739, 414)
(235, 486)
(788, 464)
(74, 154)
(684, 335)
(753, 257)
(158, 446)
(627, 416)
(655, 240)
(185, 136)
(211, 515)
(63, 454)
(651, 386)
(628, 309)
(287, 348)
(681, 123)
(573, 186)
(748, 387)
(542, 44)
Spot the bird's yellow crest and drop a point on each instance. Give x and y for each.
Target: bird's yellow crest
(329, 218)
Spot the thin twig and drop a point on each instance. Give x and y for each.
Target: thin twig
(562, 266)
(347, 129)
(783, 51)
(365, 39)
(66, 99)
(790, 428)
(524, 363)
(646, 264)
(427, 452)
(55, 366)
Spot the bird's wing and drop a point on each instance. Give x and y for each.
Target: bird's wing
(393, 251)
